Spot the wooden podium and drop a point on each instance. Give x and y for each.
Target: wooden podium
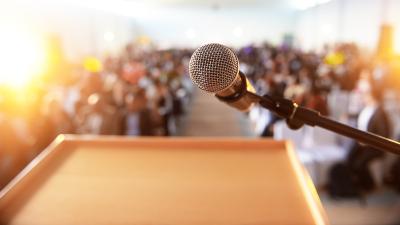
(162, 181)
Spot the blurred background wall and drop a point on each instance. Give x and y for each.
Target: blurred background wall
(347, 21)
(81, 30)
(98, 27)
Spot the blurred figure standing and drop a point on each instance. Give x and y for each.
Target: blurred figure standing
(138, 120)
(353, 178)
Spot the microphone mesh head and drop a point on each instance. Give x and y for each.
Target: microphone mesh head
(213, 67)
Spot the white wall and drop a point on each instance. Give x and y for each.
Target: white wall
(81, 30)
(233, 26)
(334, 21)
(346, 20)
(82, 26)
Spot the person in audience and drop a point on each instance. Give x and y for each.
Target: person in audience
(295, 91)
(392, 176)
(372, 118)
(55, 120)
(16, 145)
(163, 107)
(274, 90)
(316, 100)
(353, 178)
(138, 121)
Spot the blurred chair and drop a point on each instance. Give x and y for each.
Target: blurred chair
(316, 148)
(283, 132)
(326, 152)
(337, 110)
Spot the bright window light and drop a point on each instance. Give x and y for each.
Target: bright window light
(396, 43)
(22, 56)
(190, 33)
(306, 4)
(109, 36)
(238, 31)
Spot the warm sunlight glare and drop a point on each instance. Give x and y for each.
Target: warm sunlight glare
(22, 56)
(396, 44)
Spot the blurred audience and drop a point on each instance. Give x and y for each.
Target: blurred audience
(340, 82)
(141, 92)
(144, 92)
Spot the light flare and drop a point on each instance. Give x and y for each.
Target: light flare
(396, 43)
(22, 56)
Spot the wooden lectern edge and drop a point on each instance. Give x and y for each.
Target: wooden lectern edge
(307, 187)
(7, 192)
(10, 190)
(235, 143)
(19, 182)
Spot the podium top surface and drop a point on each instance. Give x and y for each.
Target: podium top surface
(162, 181)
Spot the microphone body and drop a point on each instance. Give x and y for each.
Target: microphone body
(214, 68)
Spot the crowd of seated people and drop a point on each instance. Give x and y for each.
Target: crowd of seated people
(342, 83)
(313, 80)
(141, 92)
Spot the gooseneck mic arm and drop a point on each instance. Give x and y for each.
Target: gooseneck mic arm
(296, 116)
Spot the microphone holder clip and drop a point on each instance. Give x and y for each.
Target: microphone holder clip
(237, 95)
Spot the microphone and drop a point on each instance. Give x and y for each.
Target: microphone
(214, 68)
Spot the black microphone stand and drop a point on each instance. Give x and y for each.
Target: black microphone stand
(296, 116)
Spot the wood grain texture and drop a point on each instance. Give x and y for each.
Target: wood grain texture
(110, 180)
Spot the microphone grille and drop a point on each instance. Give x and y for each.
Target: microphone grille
(213, 67)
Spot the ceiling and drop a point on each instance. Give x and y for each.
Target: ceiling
(272, 4)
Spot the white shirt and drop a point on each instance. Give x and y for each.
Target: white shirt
(365, 117)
